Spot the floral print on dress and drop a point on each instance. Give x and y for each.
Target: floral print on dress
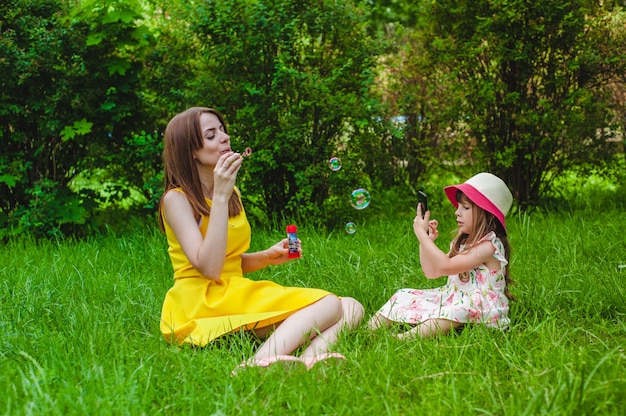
(476, 296)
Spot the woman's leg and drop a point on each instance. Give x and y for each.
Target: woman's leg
(352, 313)
(302, 326)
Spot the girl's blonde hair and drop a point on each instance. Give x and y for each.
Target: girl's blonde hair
(484, 223)
(183, 137)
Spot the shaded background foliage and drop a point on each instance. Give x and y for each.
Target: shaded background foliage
(71, 96)
(531, 86)
(293, 79)
(401, 91)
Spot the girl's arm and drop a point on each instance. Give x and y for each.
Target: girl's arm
(276, 254)
(435, 263)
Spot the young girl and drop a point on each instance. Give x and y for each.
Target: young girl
(476, 266)
(208, 237)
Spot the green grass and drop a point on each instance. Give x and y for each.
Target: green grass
(79, 327)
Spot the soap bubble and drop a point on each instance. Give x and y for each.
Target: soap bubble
(350, 228)
(334, 163)
(360, 198)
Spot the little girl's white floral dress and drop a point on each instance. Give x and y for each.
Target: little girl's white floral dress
(475, 297)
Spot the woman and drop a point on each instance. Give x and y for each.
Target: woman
(208, 236)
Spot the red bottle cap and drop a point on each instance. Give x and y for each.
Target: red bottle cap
(291, 229)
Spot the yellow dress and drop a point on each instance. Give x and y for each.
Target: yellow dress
(196, 310)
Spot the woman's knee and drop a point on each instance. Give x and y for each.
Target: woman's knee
(352, 310)
(331, 304)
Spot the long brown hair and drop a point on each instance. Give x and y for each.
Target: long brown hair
(183, 137)
(484, 223)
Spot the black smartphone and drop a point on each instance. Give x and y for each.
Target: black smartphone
(423, 199)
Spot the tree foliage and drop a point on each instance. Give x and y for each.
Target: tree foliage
(397, 89)
(293, 78)
(72, 102)
(531, 83)
(70, 95)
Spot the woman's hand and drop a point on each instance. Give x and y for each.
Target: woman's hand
(279, 252)
(225, 174)
(276, 254)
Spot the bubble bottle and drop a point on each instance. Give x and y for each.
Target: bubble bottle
(293, 242)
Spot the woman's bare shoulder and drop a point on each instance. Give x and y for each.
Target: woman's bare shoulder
(175, 194)
(175, 199)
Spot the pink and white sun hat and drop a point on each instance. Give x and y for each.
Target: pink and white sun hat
(487, 191)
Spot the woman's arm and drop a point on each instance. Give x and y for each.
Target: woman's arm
(206, 255)
(276, 254)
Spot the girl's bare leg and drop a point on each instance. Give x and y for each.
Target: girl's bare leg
(352, 313)
(377, 321)
(429, 328)
(302, 326)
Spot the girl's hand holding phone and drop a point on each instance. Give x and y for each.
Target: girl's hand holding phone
(422, 222)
